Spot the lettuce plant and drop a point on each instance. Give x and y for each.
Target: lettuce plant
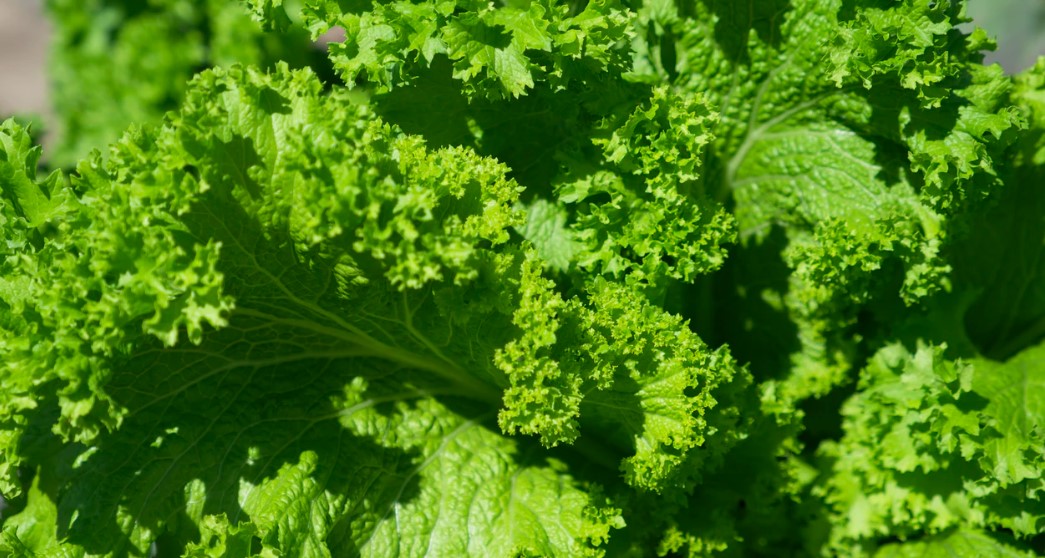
(525, 278)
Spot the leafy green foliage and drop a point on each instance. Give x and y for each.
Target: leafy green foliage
(932, 444)
(955, 544)
(530, 278)
(120, 62)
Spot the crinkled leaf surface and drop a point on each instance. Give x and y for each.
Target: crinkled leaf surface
(478, 302)
(303, 324)
(120, 62)
(931, 444)
(857, 175)
(956, 544)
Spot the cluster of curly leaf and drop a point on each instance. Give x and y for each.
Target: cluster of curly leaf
(527, 278)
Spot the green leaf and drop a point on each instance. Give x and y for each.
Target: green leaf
(956, 544)
(531, 278)
(1016, 391)
(496, 52)
(854, 189)
(120, 62)
(31, 533)
(304, 316)
(932, 444)
(40, 203)
(546, 228)
(219, 539)
(998, 256)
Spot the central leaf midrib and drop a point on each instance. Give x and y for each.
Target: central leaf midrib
(368, 346)
(354, 335)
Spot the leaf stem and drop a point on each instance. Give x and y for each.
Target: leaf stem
(371, 347)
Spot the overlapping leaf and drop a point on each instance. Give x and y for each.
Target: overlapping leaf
(110, 70)
(931, 444)
(305, 300)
